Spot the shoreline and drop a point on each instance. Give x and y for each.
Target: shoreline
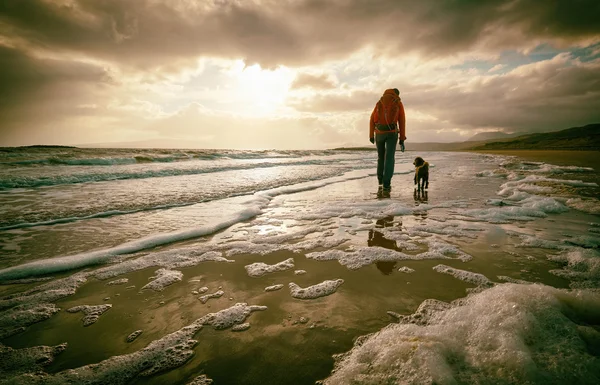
(585, 158)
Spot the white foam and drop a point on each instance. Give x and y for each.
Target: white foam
(299, 272)
(588, 205)
(16, 319)
(529, 208)
(201, 380)
(322, 289)
(505, 278)
(509, 334)
(52, 265)
(406, 269)
(233, 315)
(536, 242)
(162, 279)
(453, 228)
(357, 257)
(206, 297)
(274, 287)
(240, 327)
(169, 259)
(47, 292)
(582, 267)
(554, 169)
(18, 365)
(168, 352)
(92, 313)
(464, 275)
(134, 335)
(261, 245)
(118, 281)
(259, 268)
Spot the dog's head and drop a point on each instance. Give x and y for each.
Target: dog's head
(418, 161)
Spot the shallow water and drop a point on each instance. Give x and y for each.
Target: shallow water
(543, 228)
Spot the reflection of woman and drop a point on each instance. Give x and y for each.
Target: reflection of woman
(376, 238)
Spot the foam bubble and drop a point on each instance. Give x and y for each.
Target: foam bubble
(92, 313)
(47, 292)
(168, 352)
(134, 335)
(582, 267)
(118, 281)
(23, 363)
(299, 272)
(259, 268)
(464, 275)
(162, 279)
(505, 278)
(217, 294)
(170, 259)
(357, 257)
(16, 319)
(407, 270)
(322, 289)
(513, 334)
(588, 205)
(454, 228)
(528, 209)
(240, 327)
(52, 265)
(274, 287)
(226, 318)
(201, 380)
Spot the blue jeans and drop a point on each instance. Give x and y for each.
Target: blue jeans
(386, 153)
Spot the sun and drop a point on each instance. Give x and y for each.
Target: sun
(262, 91)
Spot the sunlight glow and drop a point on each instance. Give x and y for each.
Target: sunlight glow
(261, 91)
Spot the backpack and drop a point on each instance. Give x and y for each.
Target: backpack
(387, 110)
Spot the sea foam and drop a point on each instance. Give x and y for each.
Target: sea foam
(259, 268)
(16, 319)
(162, 279)
(322, 289)
(355, 258)
(513, 334)
(168, 352)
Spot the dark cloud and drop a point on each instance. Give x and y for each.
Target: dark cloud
(147, 33)
(36, 89)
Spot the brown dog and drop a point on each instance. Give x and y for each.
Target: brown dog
(421, 173)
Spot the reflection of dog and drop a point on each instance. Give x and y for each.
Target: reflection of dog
(421, 173)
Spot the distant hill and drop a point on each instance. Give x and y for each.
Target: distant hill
(576, 138)
(486, 136)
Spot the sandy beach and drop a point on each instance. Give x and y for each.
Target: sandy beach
(466, 282)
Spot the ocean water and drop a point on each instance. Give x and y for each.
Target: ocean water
(285, 267)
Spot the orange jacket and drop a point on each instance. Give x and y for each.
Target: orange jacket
(389, 96)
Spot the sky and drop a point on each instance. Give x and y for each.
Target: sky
(291, 74)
